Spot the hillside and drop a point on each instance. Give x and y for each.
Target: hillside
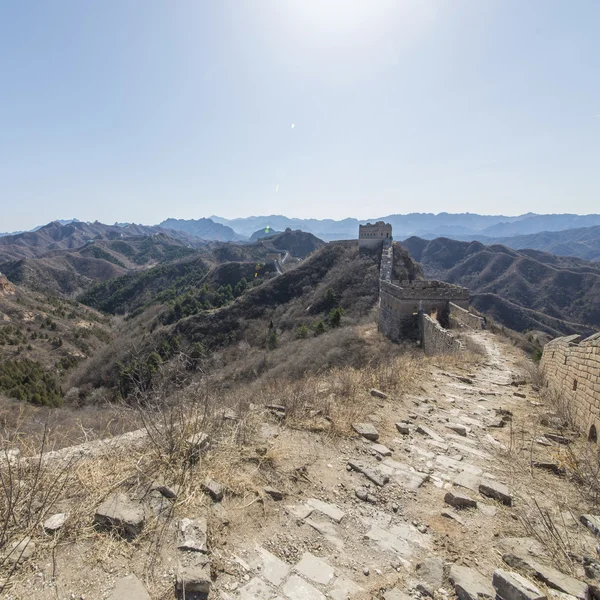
(76, 234)
(581, 243)
(522, 289)
(205, 229)
(70, 271)
(249, 329)
(265, 232)
(42, 338)
(298, 243)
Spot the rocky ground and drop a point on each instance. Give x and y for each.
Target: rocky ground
(464, 489)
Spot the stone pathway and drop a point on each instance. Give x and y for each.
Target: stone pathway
(385, 522)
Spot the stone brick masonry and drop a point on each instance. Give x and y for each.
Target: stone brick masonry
(571, 367)
(463, 318)
(435, 339)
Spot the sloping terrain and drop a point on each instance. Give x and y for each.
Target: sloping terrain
(42, 338)
(522, 289)
(263, 324)
(71, 271)
(420, 224)
(288, 496)
(538, 223)
(57, 236)
(580, 243)
(205, 229)
(265, 232)
(298, 243)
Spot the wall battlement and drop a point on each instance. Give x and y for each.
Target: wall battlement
(428, 290)
(372, 236)
(405, 306)
(571, 368)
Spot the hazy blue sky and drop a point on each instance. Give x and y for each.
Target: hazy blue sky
(138, 110)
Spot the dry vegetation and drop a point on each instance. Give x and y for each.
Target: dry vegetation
(326, 402)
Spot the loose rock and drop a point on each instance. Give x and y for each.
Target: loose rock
(122, 514)
(549, 575)
(55, 522)
(366, 430)
(330, 510)
(193, 535)
(381, 449)
(378, 393)
(430, 433)
(20, 551)
(196, 444)
(431, 575)
(469, 584)
(496, 490)
(362, 493)
(548, 466)
(459, 500)
(460, 429)
(512, 586)
(274, 493)
(451, 515)
(559, 439)
(403, 428)
(377, 478)
(214, 489)
(168, 491)
(592, 522)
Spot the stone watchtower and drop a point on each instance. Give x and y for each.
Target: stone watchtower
(373, 236)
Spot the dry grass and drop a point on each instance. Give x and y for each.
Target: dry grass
(33, 489)
(233, 417)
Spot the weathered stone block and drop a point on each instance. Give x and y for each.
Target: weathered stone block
(119, 512)
(512, 586)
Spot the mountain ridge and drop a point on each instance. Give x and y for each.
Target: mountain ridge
(558, 295)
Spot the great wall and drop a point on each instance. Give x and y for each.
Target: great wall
(425, 310)
(571, 369)
(417, 310)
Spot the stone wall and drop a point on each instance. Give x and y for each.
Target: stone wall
(464, 318)
(405, 306)
(345, 243)
(387, 261)
(571, 368)
(435, 339)
(434, 290)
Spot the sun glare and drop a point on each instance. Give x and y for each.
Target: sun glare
(353, 20)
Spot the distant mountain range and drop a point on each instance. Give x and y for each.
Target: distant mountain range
(524, 290)
(563, 234)
(581, 243)
(420, 224)
(57, 236)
